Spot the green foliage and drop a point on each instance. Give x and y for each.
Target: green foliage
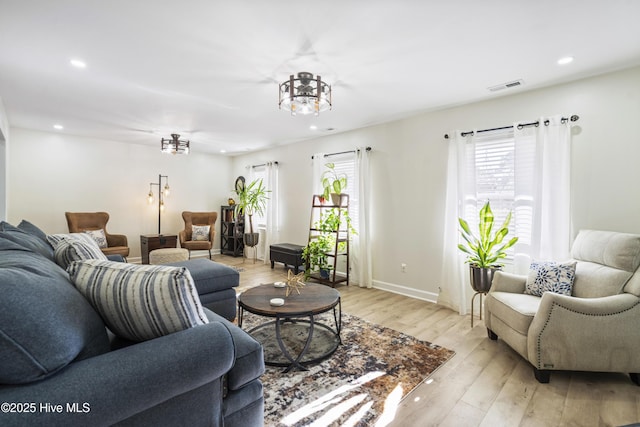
(332, 182)
(485, 251)
(252, 199)
(315, 253)
(329, 224)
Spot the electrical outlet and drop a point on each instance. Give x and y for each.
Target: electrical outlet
(403, 267)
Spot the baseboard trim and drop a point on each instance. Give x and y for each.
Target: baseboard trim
(408, 292)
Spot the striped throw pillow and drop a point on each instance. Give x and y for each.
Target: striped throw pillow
(69, 250)
(139, 302)
(55, 239)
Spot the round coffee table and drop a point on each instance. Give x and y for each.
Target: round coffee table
(294, 321)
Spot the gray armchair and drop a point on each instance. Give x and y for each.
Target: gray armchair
(594, 329)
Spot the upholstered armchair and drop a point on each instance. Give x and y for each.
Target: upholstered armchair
(96, 223)
(196, 236)
(595, 328)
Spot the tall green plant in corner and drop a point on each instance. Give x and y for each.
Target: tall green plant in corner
(252, 199)
(485, 250)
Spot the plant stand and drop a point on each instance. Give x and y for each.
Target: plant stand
(480, 307)
(341, 237)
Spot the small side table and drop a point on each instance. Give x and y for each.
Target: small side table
(149, 242)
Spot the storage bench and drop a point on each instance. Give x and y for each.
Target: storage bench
(286, 253)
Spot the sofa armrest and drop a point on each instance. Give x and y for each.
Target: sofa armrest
(508, 282)
(116, 240)
(566, 329)
(119, 384)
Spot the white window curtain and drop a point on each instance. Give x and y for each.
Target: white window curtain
(541, 213)
(267, 226)
(543, 191)
(272, 231)
(361, 259)
(359, 196)
(455, 290)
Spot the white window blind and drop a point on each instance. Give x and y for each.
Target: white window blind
(346, 164)
(496, 171)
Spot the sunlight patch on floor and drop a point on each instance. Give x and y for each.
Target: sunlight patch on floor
(332, 398)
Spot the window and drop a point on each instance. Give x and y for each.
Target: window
(491, 164)
(347, 165)
(259, 173)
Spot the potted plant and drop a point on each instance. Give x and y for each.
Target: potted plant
(329, 226)
(485, 251)
(315, 255)
(333, 183)
(252, 199)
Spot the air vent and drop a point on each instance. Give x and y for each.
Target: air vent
(507, 85)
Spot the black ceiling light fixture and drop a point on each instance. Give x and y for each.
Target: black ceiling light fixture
(305, 94)
(174, 145)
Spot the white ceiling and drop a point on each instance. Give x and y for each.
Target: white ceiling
(209, 70)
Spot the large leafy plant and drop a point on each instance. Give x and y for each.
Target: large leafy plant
(252, 199)
(486, 249)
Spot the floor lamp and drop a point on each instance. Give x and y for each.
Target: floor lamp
(162, 193)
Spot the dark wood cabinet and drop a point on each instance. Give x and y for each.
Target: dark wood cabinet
(149, 242)
(231, 232)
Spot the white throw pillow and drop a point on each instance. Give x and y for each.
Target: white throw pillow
(200, 232)
(139, 302)
(99, 236)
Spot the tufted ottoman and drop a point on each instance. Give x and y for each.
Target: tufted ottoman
(167, 255)
(214, 283)
(286, 253)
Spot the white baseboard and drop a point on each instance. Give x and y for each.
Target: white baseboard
(403, 290)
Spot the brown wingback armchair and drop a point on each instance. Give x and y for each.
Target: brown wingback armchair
(79, 222)
(199, 219)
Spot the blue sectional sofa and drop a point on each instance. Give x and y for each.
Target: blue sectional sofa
(60, 365)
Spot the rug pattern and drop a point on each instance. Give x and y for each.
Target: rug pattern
(373, 365)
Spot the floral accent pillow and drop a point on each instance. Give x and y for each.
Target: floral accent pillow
(99, 237)
(200, 232)
(549, 276)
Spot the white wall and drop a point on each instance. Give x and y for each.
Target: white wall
(409, 162)
(50, 173)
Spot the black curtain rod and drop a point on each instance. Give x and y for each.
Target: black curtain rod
(264, 164)
(573, 118)
(343, 152)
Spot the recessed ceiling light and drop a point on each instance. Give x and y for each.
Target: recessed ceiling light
(78, 63)
(313, 127)
(58, 127)
(223, 151)
(566, 60)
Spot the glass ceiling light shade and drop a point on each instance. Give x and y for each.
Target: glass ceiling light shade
(305, 94)
(174, 145)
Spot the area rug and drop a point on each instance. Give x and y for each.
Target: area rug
(361, 384)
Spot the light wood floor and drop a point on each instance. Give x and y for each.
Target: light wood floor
(485, 383)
